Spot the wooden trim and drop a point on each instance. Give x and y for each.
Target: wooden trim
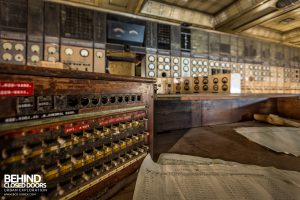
(64, 73)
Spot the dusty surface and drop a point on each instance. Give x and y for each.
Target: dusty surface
(224, 143)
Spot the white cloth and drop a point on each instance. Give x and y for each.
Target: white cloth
(279, 139)
(214, 181)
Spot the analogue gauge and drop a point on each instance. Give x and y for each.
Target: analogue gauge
(175, 68)
(186, 69)
(99, 54)
(7, 46)
(205, 70)
(19, 47)
(224, 87)
(199, 69)
(222, 64)
(234, 65)
(69, 51)
(212, 64)
(160, 67)
(7, 57)
(167, 60)
(255, 67)
(160, 59)
(256, 73)
(176, 75)
(19, 57)
(186, 61)
(215, 80)
(167, 67)
(264, 73)
(194, 62)
(194, 69)
(217, 64)
(250, 67)
(259, 67)
(151, 74)
(176, 60)
(268, 68)
(51, 59)
(35, 59)
(227, 65)
(35, 48)
(241, 66)
(151, 66)
(205, 63)
(51, 50)
(194, 75)
(224, 80)
(151, 58)
(199, 62)
(84, 52)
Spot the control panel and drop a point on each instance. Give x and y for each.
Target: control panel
(185, 67)
(13, 52)
(175, 67)
(75, 138)
(77, 58)
(151, 65)
(163, 66)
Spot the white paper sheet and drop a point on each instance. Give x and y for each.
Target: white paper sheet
(279, 139)
(214, 181)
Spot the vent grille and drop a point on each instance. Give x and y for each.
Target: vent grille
(13, 15)
(77, 23)
(163, 36)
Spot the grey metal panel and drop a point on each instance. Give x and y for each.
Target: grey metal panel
(265, 53)
(273, 54)
(99, 27)
(233, 49)
(52, 19)
(199, 43)
(257, 48)
(214, 46)
(286, 60)
(35, 19)
(249, 51)
(240, 50)
(151, 34)
(225, 47)
(279, 55)
(175, 38)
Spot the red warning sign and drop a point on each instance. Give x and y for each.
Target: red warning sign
(16, 88)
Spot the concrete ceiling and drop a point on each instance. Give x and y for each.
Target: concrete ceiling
(277, 20)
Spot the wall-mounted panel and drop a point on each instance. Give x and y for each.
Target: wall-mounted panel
(199, 42)
(233, 49)
(225, 47)
(214, 46)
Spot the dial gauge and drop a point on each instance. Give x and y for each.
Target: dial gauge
(160, 59)
(35, 59)
(175, 68)
(160, 67)
(151, 58)
(99, 54)
(151, 66)
(19, 47)
(186, 69)
(35, 48)
(51, 50)
(186, 61)
(176, 60)
(84, 52)
(167, 60)
(19, 57)
(167, 67)
(194, 69)
(69, 51)
(7, 57)
(7, 46)
(151, 74)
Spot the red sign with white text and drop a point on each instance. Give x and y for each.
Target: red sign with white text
(16, 88)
